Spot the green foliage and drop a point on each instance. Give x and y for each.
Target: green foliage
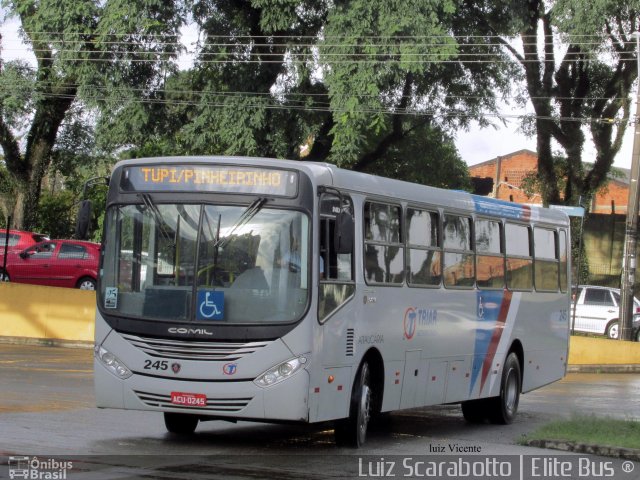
(95, 59)
(17, 93)
(577, 18)
(585, 75)
(368, 66)
(379, 85)
(56, 214)
(591, 430)
(427, 156)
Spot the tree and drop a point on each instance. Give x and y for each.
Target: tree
(396, 66)
(579, 66)
(86, 52)
(356, 82)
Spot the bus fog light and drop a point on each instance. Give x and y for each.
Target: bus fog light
(280, 372)
(111, 362)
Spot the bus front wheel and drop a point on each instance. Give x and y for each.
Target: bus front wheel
(180, 423)
(352, 431)
(502, 409)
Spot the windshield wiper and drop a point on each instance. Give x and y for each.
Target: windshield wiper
(245, 218)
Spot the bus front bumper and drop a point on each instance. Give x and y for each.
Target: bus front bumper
(284, 401)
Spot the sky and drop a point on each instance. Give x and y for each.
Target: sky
(475, 145)
(480, 144)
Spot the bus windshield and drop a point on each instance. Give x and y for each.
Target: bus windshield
(206, 263)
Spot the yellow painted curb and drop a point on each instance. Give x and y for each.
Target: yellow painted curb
(46, 312)
(31, 311)
(603, 351)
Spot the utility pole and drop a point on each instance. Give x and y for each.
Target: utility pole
(631, 232)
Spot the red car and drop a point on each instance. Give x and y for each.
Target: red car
(19, 240)
(56, 263)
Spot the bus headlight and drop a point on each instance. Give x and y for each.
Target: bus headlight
(280, 372)
(111, 362)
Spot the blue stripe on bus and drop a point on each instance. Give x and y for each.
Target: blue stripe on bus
(488, 306)
(500, 208)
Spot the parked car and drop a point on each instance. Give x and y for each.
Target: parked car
(597, 310)
(56, 263)
(19, 240)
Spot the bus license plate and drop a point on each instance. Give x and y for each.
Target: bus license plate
(189, 399)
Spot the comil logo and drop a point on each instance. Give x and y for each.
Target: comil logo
(38, 469)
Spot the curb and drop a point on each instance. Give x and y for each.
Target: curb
(575, 447)
(45, 342)
(622, 368)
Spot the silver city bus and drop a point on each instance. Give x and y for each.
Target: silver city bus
(283, 291)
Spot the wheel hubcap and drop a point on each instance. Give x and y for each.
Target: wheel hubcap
(511, 393)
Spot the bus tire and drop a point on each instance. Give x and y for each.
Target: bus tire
(352, 431)
(502, 409)
(180, 423)
(474, 411)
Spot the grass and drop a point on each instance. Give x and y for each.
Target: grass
(590, 430)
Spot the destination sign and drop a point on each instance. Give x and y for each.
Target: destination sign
(209, 178)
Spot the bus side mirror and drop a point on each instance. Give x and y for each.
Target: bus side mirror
(344, 233)
(84, 220)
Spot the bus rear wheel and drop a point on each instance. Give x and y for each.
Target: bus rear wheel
(180, 423)
(352, 431)
(502, 409)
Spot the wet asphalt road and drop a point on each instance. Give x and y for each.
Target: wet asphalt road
(46, 408)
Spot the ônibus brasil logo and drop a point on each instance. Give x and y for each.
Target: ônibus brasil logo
(409, 323)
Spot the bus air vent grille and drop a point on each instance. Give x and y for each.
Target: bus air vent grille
(350, 342)
(219, 405)
(190, 350)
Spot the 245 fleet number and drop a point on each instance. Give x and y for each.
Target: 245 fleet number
(157, 365)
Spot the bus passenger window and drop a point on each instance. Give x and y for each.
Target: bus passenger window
(519, 261)
(383, 248)
(489, 254)
(459, 265)
(423, 241)
(545, 243)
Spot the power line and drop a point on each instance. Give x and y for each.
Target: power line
(314, 54)
(287, 94)
(327, 109)
(240, 61)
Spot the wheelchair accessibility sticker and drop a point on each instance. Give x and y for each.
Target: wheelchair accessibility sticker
(210, 305)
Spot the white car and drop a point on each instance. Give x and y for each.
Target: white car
(598, 310)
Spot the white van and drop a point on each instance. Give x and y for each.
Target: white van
(598, 309)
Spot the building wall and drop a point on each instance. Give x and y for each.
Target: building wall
(515, 166)
(513, 169)
(611, 199)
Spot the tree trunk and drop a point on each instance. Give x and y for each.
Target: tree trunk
(16, 210)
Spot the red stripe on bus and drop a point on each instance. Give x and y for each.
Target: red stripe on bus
(495, 338)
